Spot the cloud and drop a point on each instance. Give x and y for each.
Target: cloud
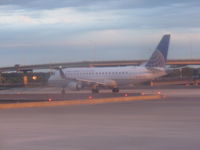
(62, 29)
(103, 4)
(100, 14)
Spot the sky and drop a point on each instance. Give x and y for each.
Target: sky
(49, 31)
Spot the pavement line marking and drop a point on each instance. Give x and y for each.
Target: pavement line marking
(80, 102)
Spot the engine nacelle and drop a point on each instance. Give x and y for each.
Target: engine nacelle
(74, 85)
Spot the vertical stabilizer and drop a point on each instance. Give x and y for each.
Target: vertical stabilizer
(159, 56)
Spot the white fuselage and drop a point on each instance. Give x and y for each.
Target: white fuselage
(114, 77)
(107, 76)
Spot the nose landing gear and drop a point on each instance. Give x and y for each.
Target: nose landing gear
(63, 91)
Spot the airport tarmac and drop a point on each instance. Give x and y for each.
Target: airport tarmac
(170, 123)
(43, 94)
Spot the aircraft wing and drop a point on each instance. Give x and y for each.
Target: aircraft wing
(108, 83)
(91, 81)
(101, 82)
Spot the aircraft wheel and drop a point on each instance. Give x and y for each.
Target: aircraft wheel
(63, 91)
(115, 90)
(95, 91)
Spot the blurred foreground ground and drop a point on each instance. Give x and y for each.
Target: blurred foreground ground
(172, 123)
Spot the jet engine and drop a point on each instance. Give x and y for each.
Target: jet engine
(73, 85)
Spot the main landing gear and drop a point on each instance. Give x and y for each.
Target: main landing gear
(95, 90)
(115, 90)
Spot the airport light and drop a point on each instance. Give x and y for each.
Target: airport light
(34, 77)
(49, 99)
(158, 92)
(142, 93)
(90, 97)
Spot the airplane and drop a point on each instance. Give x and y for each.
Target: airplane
(113, 77)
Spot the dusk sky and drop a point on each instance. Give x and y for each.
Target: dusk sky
(48, 31)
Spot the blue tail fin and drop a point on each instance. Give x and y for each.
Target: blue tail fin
(159, 57)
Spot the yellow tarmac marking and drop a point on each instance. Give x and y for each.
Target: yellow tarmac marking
(80, 102)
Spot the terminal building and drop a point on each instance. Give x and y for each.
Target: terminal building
(27, 76)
